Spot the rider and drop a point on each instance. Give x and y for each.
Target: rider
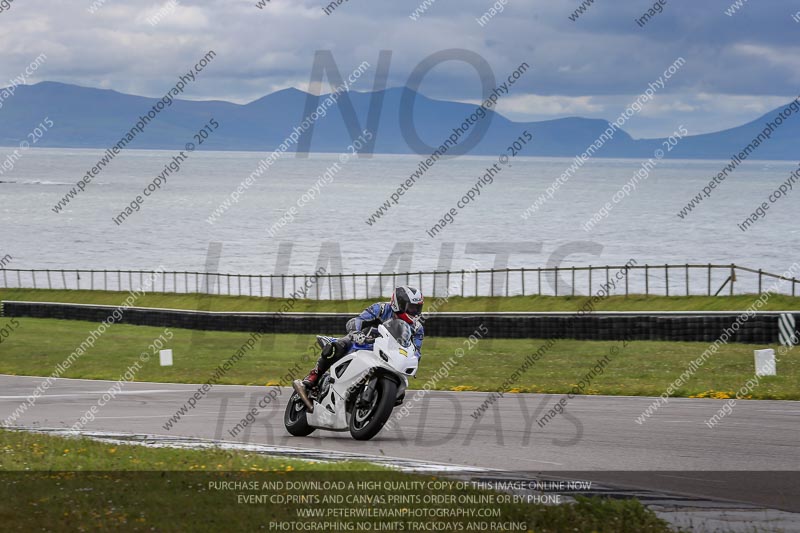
(406, 304)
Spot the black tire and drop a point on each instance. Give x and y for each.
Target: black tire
(366, 423)
(294, 418)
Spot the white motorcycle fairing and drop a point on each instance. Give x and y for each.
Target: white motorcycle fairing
(351, 372)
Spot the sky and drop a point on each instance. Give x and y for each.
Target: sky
(737, 67)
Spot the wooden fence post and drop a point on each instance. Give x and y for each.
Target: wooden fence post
(556, 281)
(573, 281)
(590, 280)
(539, 280)
(687, 279)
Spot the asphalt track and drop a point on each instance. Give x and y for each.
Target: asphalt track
(752, 456)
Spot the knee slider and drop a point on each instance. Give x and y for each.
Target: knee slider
(328, 351)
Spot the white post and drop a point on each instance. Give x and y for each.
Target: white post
(166, 357)
(765, 362)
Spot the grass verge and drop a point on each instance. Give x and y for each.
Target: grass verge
(79, 484)
(512, 303)
(640, 368)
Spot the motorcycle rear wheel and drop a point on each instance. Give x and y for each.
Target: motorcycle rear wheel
(365, 423)
(294, 418)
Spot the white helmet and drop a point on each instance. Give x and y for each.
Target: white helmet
(407, 303)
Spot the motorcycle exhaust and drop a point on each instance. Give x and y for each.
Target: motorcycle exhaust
(300, 389)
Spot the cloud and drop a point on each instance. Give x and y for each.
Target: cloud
(553, 106)
(787, 58)
(588, 67)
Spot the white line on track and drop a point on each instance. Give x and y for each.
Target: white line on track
(538, 461)
(139, 416)
(84, 393)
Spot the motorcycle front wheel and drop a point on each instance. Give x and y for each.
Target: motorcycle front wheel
(295, 417)
(367, 421)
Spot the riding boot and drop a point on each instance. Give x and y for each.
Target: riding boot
(330, 353)
(310, 381)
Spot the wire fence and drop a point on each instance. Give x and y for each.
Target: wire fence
(661, 280)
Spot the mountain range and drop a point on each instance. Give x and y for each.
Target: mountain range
(97, 118)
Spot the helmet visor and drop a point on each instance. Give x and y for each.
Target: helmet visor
(414, 309)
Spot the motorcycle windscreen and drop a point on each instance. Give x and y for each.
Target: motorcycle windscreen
(400, 330)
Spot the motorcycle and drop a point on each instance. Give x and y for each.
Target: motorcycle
(359, 391)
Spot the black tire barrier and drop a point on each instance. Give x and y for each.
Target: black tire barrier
(690, 327)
